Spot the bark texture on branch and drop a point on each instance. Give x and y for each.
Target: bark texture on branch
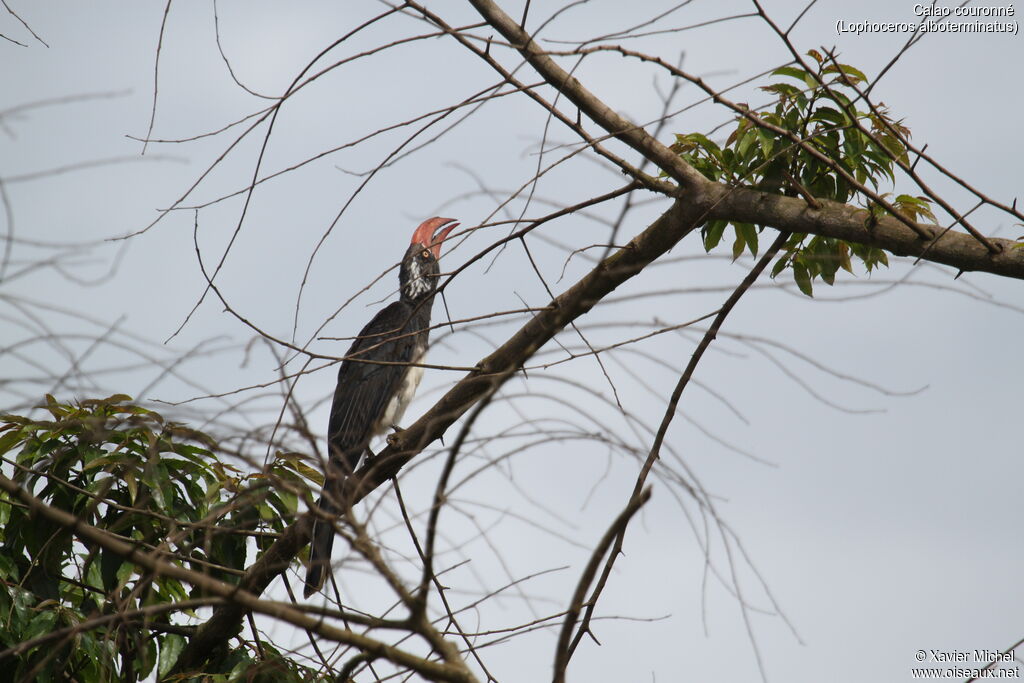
(955, 249)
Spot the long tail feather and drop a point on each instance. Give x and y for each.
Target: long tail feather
(319, 554)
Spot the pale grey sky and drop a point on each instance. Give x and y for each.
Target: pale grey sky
(882, 527)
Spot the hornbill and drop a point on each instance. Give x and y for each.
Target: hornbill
(371, 396)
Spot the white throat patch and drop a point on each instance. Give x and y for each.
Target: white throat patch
(418, 285)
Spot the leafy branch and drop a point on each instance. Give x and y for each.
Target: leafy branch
(821, 112)
(155, 484)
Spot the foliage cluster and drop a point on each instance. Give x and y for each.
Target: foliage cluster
(73, 611)
(822, 113)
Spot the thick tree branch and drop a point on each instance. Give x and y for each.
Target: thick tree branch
(849, 223)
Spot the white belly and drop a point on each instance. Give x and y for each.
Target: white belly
(403, 397)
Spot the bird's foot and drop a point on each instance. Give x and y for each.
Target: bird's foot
(392, 438)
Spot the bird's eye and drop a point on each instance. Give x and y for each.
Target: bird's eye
(425, 253)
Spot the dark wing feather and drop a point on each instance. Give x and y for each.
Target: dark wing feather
(360, 400)
(364, 389)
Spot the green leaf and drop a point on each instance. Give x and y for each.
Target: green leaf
(284, 502)
(855, 75)
(830, 115)
(705, 143)
(767, 142)
(170, 649)
(712, 236)
(8, 570)
(737, 246)
(780, 265)
(41, 624)
(749, 233)
(828, 273)
(915, 207)
(843, 256)
(109, 566)
(791, 71)
(147, 659)
(784, 89)
(802, 277)
(56, 409)
(744, 142)
(8, 440)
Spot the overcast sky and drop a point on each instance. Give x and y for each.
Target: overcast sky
(883, 524)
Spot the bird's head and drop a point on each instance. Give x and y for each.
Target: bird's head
(419, 271)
